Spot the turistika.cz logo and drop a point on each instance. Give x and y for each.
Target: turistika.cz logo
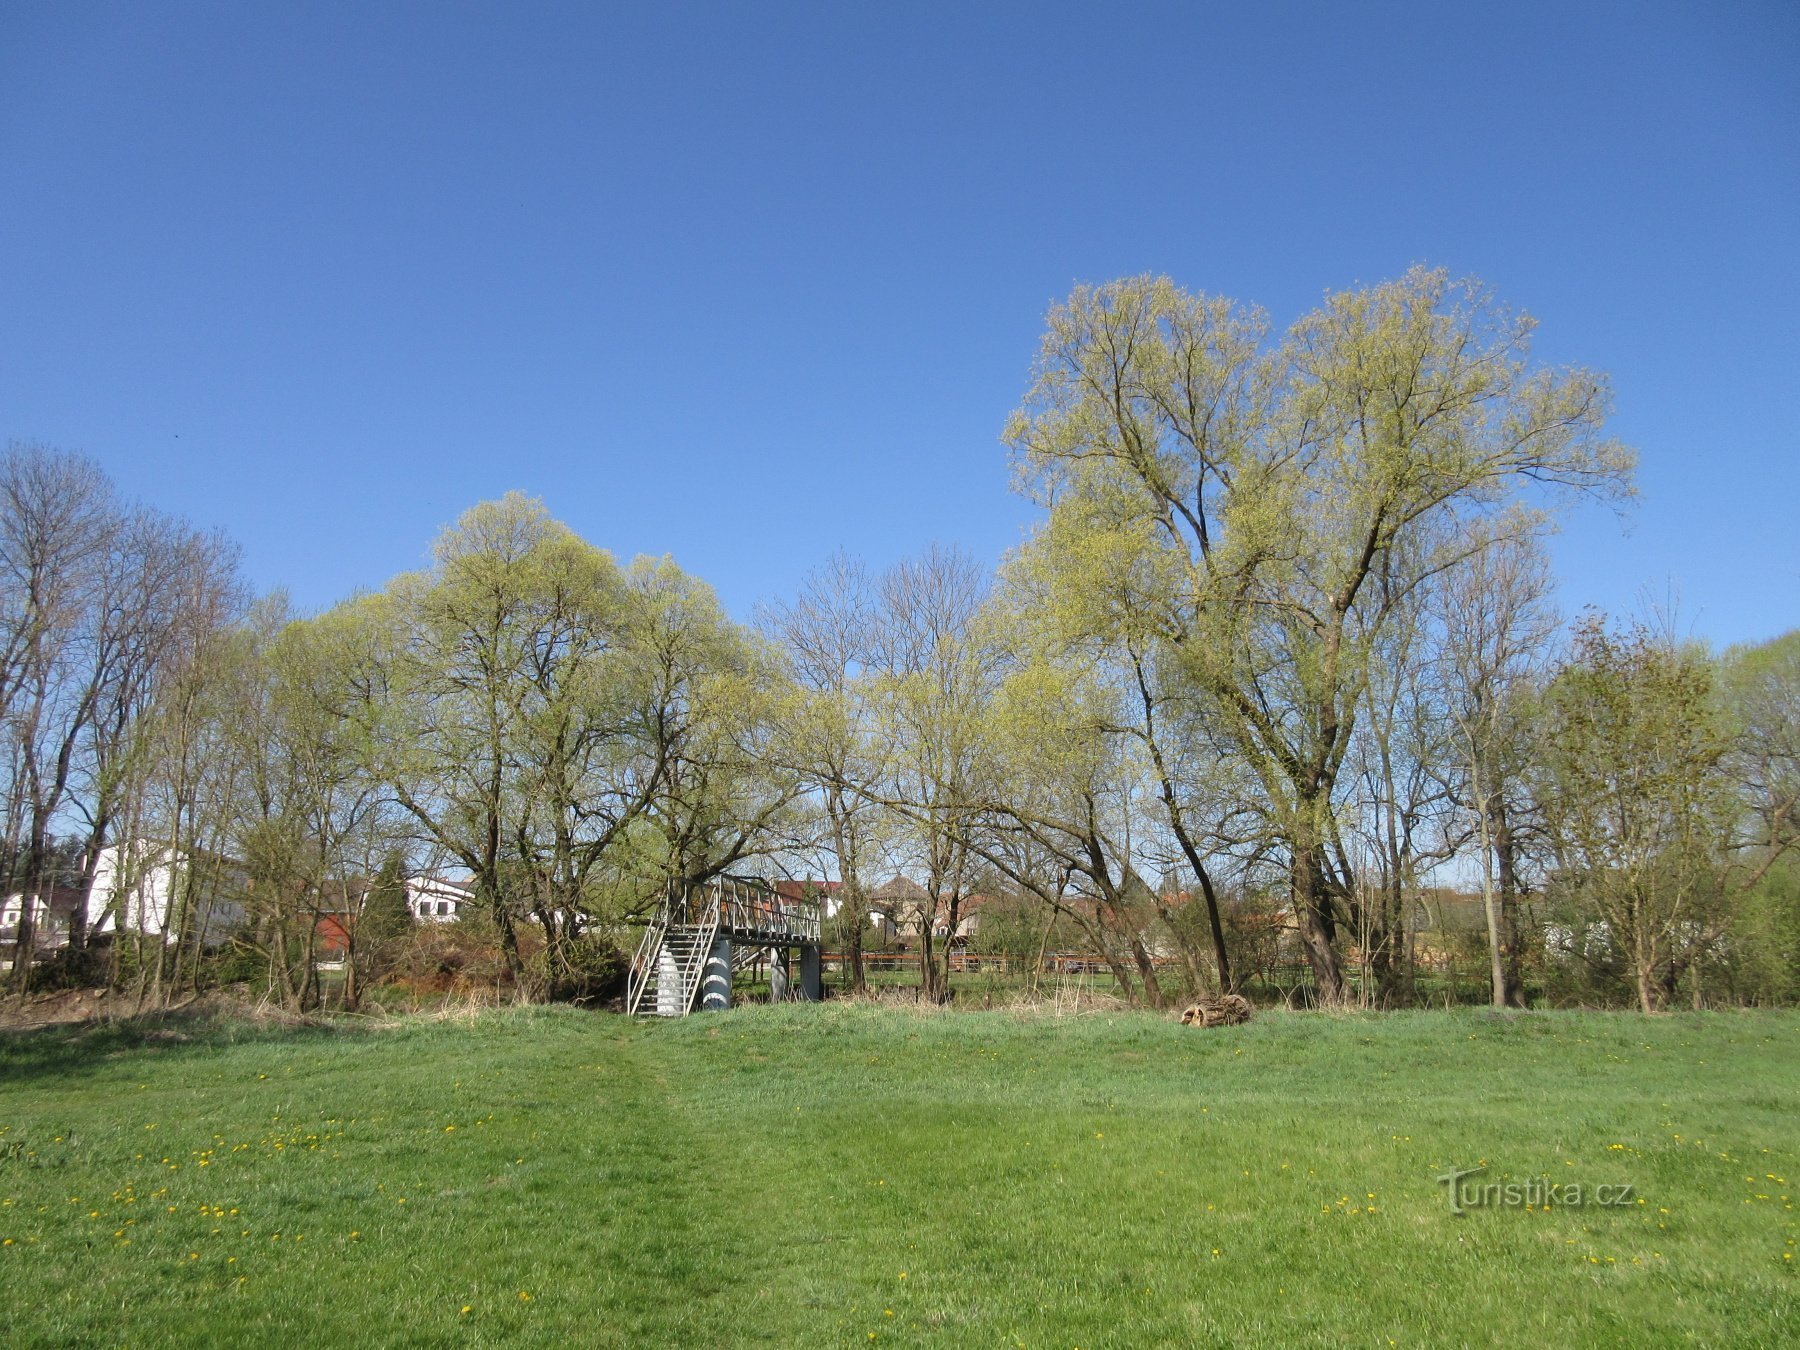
(1467, 1193)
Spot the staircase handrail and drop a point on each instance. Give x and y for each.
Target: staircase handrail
(648, 947)
(696, 973)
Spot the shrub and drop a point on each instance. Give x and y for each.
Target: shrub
(587, 969)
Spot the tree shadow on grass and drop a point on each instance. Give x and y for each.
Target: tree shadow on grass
(69, 1049)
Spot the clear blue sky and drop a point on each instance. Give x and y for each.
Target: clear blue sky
(747, 282)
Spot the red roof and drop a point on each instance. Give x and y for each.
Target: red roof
(805, 888)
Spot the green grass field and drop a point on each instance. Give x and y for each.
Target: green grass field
(843, 1174)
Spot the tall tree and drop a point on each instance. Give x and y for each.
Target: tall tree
(494, 700)
(1632, 743)
(710, 698)
(1254, 490)
(169, 590)
(1761, 686)
(1054, 807)
(934, 676)
(825, 632)
(58, 520)
(99, 603)
(1496, 625)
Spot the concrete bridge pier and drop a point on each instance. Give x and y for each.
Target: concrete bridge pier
(779, 984)
(715, 980)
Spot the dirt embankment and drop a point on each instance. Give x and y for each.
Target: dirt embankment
(61, 1007)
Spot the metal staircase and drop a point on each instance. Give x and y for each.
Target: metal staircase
(670, 963)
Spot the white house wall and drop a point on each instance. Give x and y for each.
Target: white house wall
(434, 900)
(134, 894)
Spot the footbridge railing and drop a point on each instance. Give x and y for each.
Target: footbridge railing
(748, 911)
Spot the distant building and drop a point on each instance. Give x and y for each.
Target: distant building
(901, 905)
(827, 894)
(49, 909)
(439, 899)
(137, 886)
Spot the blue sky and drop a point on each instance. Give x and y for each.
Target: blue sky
(747, 283)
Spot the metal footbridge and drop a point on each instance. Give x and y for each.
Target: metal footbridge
(702, 934)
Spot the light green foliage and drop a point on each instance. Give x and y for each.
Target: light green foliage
(1260, 508)
(1764, 944)
(1632, 742)
(1761, 688)
(570, 732)
(712, 696)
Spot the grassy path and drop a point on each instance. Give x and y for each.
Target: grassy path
(795, 1175)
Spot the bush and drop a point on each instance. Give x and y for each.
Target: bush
(449, 958)
(87, 968)
(588, 969)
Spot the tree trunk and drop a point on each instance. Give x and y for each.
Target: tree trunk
(1490, 903)
(1387, 961)
(1507, 875)
(1318, 935)
(853, 909)
(1644, 959)
(859, 980)
(1153, 994)
(949, 948)
(928, 985)
(1646, 990)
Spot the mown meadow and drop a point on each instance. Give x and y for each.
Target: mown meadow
(848, 1174)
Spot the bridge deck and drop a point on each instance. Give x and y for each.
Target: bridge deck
(748, 913)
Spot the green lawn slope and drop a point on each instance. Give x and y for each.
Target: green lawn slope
(847, 1175)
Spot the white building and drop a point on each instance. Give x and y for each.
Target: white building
(135, 888)
(438, 899)
(133, 892)
(134, 885)
(49, 909)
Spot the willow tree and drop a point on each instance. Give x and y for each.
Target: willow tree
(1056, 804)
(1230, 497)
(707, 698)
(545, 717)
(498, 697)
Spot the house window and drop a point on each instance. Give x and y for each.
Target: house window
(444, 907)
